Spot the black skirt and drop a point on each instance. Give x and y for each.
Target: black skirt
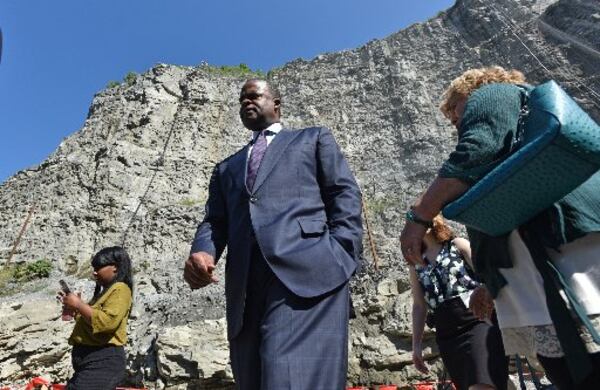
(97, 368)
(471, 350)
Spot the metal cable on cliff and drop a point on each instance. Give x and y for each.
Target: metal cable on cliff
(34, 204)
(159, 162)
(512, 27)
(370, 235)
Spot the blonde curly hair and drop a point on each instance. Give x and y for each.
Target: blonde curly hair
(463, 85)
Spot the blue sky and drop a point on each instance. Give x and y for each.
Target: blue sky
(57, 54)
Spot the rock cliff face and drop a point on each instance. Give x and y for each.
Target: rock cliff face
(141, 163)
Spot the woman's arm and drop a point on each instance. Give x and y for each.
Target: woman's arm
(115, 306)
(85, 311)
(419, 313)
(106, 318)
(441, 192)
(481, 302)
(490, 113)
(465, 250)
(74, 302)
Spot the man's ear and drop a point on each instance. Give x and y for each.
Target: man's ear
(277, 104)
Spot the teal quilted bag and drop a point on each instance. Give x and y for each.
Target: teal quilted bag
(559, 150)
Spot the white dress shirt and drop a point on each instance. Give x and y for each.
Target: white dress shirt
(273, 130)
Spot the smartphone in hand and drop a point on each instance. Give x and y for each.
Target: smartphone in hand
(64, 286)
(67, 314)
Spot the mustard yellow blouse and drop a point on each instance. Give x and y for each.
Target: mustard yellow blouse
(109, 319)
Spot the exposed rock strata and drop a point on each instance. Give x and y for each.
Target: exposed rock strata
(381, 102)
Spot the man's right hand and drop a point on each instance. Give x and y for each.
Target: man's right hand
(198, 270)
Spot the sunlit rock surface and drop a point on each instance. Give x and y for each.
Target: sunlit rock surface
(381, 102)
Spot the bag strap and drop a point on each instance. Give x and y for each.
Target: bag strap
(523, 114)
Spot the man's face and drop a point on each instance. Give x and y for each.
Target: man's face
(258, 108)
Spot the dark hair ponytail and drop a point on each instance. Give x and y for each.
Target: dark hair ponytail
(117, 256)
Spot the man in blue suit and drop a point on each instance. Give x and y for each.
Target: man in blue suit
(288, 210)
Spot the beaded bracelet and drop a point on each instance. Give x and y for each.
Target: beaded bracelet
(411, 216)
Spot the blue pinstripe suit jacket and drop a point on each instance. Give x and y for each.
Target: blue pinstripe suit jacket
(304, 212)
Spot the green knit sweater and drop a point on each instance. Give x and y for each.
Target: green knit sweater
(485, 132)
(484, 138)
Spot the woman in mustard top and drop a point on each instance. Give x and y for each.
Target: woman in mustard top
(100, 331)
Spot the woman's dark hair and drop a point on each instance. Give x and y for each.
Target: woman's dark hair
(114, 255)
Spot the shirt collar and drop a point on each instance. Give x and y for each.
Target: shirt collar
(275, 128)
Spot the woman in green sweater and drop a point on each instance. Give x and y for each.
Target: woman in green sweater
(484, 105)
(100, 331)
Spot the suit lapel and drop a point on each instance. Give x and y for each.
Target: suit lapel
(273, 154)
(238, 167)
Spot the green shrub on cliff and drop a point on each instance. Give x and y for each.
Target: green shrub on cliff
(130, 78)
(235, 70)
(112, 84)
(36, 270)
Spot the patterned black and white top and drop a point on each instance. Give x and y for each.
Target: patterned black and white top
(445, 278)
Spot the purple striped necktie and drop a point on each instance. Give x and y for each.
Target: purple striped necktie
(256, 156)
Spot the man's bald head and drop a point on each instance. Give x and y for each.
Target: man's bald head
(272, 89)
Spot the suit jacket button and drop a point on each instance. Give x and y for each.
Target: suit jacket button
(253, 199)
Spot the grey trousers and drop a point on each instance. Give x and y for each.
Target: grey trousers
(289, 342)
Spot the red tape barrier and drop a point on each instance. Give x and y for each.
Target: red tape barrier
(417, 386)
(41, 383)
